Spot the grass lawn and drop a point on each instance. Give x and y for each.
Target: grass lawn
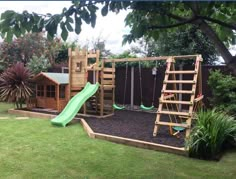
(33, 148)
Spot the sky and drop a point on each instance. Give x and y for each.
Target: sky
(111, 28)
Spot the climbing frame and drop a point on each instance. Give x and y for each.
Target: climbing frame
(170, 79)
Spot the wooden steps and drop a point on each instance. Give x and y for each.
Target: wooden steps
(174, 113)
(178, 91)
(180, 81)
(172, 124)
(181, 72)
(176, 102)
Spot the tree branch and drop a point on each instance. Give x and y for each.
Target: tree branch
(230, 26)
(173, 25)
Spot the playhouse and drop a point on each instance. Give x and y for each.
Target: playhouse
(52, 90)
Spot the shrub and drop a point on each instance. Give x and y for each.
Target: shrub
(213, 130)
(223, 90)
(38, 64)
(14, 84)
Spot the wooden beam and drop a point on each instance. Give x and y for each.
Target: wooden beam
(149, 58)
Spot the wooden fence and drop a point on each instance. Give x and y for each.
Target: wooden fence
(147, 84)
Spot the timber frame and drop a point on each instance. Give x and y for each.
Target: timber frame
(170, 89)
(103, 100)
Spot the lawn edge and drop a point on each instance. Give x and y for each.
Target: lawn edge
(111, 138)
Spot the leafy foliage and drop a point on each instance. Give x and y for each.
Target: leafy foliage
(38, 64)
(24, 48)
(17, 24)
(155, 18)
(62, 52)
(125, 54)
(185, 42)
(213, 130)
(14, 84)
(180, 42)
(223, 90)
(148, 18)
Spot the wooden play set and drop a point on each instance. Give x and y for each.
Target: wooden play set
(102, 104)
(169, 103)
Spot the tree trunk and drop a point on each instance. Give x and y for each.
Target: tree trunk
(229, 59)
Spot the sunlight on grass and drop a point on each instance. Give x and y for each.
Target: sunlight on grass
(33, 148)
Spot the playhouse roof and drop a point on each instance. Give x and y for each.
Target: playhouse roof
(58, 78)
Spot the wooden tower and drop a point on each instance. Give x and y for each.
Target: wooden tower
(79, 67)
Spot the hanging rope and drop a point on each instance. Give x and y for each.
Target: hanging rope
(126, 77)
(140, 84)
(141, 91)
(115, 106)
(154, 85)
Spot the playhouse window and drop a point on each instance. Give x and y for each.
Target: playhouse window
(51, 91)
(62, 91)
(40, 90)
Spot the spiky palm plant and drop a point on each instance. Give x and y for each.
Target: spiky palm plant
(213, 129)
(14, 84)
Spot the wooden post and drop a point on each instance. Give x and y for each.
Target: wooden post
(132, 88)
(200, 76)
(70, 72)
(194, 86)
(180, 96)
(113, 83)
(102, 91)
(97, 65)
(169, 61)
(58, 97)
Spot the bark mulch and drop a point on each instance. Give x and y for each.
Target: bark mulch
(135, 125)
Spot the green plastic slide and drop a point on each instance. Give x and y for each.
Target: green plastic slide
(75, 104)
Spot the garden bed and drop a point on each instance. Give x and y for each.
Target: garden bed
(135, 125)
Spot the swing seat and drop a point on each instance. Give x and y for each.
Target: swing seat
(178, 128)
(146, 108)
(115, 106)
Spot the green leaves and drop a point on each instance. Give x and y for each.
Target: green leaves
(104, 10)
(223, 91)
(14, 84)
(213, 129)
(64, 33)
(78, 24)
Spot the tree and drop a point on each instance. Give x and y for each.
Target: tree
(98, 43)
(215, 19)
(38, 64)
(62, 53)
(179, 42)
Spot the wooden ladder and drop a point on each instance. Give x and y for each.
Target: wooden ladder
(188, 115)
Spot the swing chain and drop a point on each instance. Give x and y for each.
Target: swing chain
(126, 77)
(140, 83)
(154, 86)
